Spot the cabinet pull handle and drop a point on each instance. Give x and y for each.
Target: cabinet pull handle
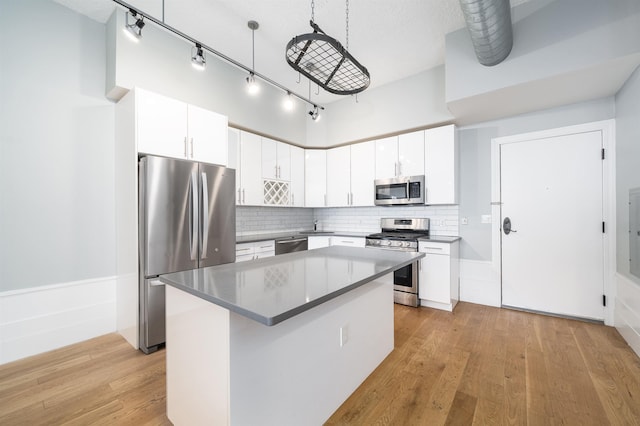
(191, 147)
(325, 200)
(242, 195)
(395, 168)
(348, 199)
(351, 203)
(276, 170)
(293, 202)
(239, 199)
(243, 249)
(186, 153)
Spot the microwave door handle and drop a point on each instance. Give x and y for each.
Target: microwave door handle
(205, 216)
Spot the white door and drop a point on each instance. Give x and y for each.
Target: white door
(297, 176)
(207, 136)
(387, 157)
(315, 178)
(411, 154)
(162, 125)
(339, 176)
(363, 172)
(551, 191)
(251, 192)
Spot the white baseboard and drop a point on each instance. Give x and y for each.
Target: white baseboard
(40, 319)
(479, 283)
(627, 311)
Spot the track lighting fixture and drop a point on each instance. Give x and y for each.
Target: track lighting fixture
(252, 85)
(287, 103)
(134, 30)
(315, 113)
(135, 22)
(197, 57)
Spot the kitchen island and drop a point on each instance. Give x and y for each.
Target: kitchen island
(280, 340)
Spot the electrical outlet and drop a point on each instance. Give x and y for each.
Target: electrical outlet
(464, 220)
(344, 335)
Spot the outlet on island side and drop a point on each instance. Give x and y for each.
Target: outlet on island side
(344, 335)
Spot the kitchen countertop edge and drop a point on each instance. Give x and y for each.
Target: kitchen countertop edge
(278, 318)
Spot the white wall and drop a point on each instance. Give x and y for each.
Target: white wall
(627, 176)
(56, 148)
(413, 102)
(57, 224)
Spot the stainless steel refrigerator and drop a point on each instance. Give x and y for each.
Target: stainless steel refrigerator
(187, 221)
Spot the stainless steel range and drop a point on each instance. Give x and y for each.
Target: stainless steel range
(402, 235)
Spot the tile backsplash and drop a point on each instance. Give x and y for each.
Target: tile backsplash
(265, 220)
(443, 219)
(259, 220)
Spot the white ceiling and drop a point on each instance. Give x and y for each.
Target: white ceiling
(393, 39)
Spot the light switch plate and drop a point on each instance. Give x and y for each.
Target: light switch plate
(485, 218)
(464, 220)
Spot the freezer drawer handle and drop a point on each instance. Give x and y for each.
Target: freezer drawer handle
(205, 216)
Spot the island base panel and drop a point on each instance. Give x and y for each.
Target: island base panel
(297, 372)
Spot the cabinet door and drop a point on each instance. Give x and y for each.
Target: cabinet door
(283, 152)
(251, 191)
(234, 160)
(387, 157)
(269, 158)
(297, 176)
(411, 154)
(363, 173)
(339, 176)
(207, 136)
(348, 241)
(441, 165)
(315, 177)
(318, 242)
(161, 125)
(435, 278)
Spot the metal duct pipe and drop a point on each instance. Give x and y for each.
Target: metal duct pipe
(489, 23)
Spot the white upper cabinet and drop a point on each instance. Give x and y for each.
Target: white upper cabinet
(441, 165)
(411, 154)
(297, 176)
(161, 125)
(363, 160)
(234, 159)
(339, 176)
(386, 157)
(400, 155)
(207, 136)
(315, 175)
(251, 188)
(276, 160)
(172, 128)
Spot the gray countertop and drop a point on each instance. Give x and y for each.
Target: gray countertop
(273, 289)
(288, 234)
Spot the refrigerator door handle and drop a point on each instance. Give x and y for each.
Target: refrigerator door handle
(194, 216)
(205, 216)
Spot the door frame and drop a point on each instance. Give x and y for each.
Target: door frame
(607, 128)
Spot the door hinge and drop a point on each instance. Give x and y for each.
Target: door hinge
(603, 227)
(603, 153)
(604, 300)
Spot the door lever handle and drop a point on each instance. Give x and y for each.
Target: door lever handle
(506, 226)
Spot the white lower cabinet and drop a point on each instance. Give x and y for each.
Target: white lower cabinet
(318, 241)
(255, 250)
(439, 276)
(348, 241)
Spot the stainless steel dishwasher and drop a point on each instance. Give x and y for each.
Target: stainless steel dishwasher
(291, 244)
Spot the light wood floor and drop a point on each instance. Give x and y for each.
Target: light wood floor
(480, 365)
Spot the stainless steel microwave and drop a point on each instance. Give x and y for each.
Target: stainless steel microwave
(399, 191)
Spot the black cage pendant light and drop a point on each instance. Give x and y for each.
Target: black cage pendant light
(326, 62)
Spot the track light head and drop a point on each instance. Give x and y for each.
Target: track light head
(288, 103)
(315, 113)
(134, 30)
(252, 85)
(198, 60)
